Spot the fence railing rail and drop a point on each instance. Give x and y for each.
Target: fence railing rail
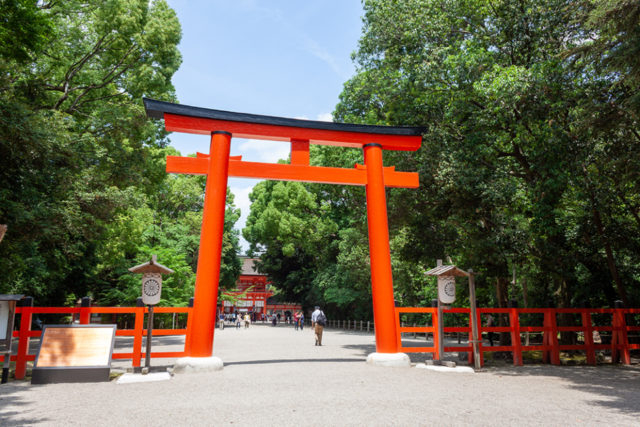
(619, 330)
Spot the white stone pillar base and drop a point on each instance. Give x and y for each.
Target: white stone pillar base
(393, 360)
(186, 365)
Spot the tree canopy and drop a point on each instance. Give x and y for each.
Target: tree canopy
(82, 182)
(529, 158)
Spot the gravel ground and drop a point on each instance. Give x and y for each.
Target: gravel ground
(276, 376)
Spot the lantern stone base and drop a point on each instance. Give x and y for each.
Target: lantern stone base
(186, 365)
(393, 360)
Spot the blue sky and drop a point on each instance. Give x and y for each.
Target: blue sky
(275, 57)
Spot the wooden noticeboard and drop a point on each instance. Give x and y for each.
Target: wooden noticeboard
(74, 353)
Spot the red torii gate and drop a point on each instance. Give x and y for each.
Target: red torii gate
(218, 166)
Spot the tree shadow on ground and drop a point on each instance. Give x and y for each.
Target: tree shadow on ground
(269, 361)
(618, 386)
(14, 406)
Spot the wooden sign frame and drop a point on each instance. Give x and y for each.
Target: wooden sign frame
(72, 372)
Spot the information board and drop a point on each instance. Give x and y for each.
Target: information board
(4, 319)
(74, 353)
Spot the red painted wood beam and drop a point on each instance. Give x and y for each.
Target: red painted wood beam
(340, 138)
(302, 173)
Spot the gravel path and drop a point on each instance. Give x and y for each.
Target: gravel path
(276, 376)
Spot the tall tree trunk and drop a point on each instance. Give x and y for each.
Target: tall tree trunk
(565, 319)
(597, 219)
(502, 295)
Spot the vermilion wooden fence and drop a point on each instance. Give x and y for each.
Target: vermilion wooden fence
(24, 333)
(618, 328)
(619, 345)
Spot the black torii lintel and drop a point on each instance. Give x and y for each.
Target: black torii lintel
(156, 109)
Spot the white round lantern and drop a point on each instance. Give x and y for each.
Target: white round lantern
(446, 289)
(151, 288)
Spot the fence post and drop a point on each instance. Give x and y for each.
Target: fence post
(551, 338)
(137, 333)
(85, 313)
(23, 341)
(588, 337)
(361, 326)
(619, 340)
(479, 338)
(367, 325)
(514, 323)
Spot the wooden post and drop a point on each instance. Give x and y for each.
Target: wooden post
(440, 344)
(23, 342)
(7, 355)
(588, 337)
(147, 359)
(379, 251)
(514, 324)
(138, 329)
(85, 313)
(208, 270)
(474, 320)
(619, 339)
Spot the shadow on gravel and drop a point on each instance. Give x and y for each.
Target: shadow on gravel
(8, 397)
(619, 387)
(269, 361)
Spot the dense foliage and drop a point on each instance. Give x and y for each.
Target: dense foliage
(530, 159)
(82, 182)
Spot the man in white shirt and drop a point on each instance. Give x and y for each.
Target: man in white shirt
(318, 321)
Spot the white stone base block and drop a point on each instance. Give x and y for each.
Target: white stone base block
(139, 378)
(393, 360)
(457, 369)
(197, 364)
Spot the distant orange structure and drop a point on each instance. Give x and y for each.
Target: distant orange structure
(221, 126)
(257, 299)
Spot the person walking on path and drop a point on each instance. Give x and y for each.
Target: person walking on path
(318, 321)
(301, 320)
(296, 320)
(247, 321)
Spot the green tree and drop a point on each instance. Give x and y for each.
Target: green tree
(79, 149)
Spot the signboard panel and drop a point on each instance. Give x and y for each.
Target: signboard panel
(4, 319)
(78, 353)
(75, 347)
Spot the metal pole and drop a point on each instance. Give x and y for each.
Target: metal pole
(147, 360)
(474, 320)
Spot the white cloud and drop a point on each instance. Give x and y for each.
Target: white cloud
(325, 117)
(264, 151)
(241, 188)
(321, 53)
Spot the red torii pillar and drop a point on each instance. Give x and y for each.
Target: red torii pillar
(218, 166)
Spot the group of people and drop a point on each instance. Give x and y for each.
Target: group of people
(318, 321)
(237, 319)
(298, 320)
